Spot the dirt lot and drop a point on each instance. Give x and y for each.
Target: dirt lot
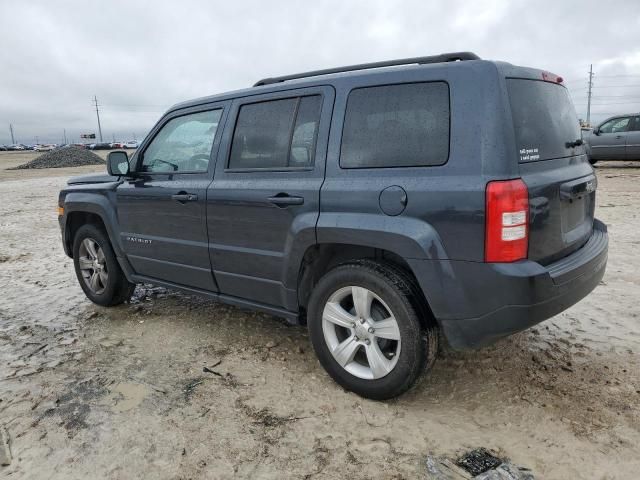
(88, 392)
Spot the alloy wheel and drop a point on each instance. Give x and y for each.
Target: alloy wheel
(93, 265)
(361, 332)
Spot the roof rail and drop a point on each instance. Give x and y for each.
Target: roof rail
(444, 57)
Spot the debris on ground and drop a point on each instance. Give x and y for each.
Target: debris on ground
(506, 471)
(190, 387)
(5, 449)
(478, 461)
(63, 157)
(211, 368)
(477, 464)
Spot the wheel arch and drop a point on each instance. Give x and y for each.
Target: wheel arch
(320, 258)
(84, 207)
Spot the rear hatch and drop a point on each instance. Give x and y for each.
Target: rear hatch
(554, 166)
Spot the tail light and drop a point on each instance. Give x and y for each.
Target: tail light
(507, 221)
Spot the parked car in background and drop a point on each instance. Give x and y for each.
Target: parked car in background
(100, 146)
(617, 138)
(131, 144)
(16, 147)
(44, 148)
(3, 148)
(117, 145)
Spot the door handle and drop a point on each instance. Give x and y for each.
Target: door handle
(184, 197)
(283, 200)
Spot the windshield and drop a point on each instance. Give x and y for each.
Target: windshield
(544, 120)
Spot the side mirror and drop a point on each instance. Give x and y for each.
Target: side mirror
(118, 163)
(596, 131)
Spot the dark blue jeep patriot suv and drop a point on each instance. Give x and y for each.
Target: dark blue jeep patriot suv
(384, 205)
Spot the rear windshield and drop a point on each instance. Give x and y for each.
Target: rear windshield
(544, 119)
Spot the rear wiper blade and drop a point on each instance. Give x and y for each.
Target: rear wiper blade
(576, 143)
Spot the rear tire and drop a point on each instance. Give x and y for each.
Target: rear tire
(349, 321)
(97, 268)
(593, 161)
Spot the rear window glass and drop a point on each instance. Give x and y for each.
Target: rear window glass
(405, 125)
(544, 119)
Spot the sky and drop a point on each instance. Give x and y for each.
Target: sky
(140, 57)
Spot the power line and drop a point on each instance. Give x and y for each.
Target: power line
(635, 85)
(611, 103)
(622, 75)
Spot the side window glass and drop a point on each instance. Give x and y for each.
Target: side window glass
(636, 124)
(183, 144)
(276, 133)
(303, 142)
(404, 125)
(615, 125)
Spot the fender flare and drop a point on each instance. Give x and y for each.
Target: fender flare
(409, 238)
(96, 204)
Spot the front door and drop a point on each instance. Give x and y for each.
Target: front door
(633, 139)
(161, 207)
(265, 196)
(610, 143)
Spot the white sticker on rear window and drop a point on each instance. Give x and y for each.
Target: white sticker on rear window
(529, 154)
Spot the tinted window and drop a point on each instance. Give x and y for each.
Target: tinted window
(183, 144)
(303, 141)
(276, 134)
(544, 120)
(616, 125)
(396, 126)
(636, 124)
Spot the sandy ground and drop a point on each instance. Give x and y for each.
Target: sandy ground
(89, 392)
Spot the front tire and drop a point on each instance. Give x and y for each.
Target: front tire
(97, 268)
(364, 324)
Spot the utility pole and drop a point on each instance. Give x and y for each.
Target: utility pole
(95, 100)
(589, 95)
(64, 135)
(13, 140)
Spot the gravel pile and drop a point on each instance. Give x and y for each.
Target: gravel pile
(63, 157)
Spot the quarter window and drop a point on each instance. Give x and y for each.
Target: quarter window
(405, 125)
(183, 144)
(615, 125)
(276, 134)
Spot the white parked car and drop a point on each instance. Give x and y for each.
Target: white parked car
(131, 144)
(44, 148)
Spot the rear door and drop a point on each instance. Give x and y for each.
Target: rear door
(610, 143)
(559, 178)
(161, 208)
(266, 193)
(633, 139)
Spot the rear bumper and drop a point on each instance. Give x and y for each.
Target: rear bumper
(478, 303)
